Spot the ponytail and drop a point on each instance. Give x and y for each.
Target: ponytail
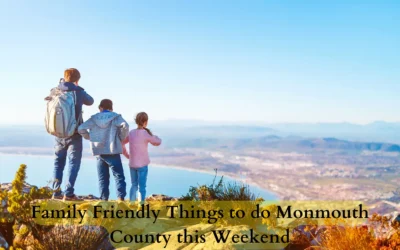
(148, 131)
(140, 119)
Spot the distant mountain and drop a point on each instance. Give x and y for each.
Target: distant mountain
(333, 143)
(303, 145)
(293, 144)
(281, 137)
(376, 131)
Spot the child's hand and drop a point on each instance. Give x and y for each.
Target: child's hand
(127, 156)
(125, 153)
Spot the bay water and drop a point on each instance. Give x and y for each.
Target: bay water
(161, 180)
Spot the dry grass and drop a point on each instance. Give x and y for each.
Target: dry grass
(381, 233)
(73, 237)
(347, 238)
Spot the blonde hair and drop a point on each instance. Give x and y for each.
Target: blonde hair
(141, 119)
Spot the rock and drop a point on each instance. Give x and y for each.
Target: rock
(3, 242)
(27, 187)
(106, 245)
(239, 230)
(191, 246)
(318, 236)
(201, 228)
(89, 197)
(163, 225)
(155, 228)
(8, 187)
(292, 246)
(141, 224)
(212, 244)
(174, 244)
(169, 222)
(160, 197)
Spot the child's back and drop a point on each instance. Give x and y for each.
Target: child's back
(106, 131)
(138, 142)
(138, 156)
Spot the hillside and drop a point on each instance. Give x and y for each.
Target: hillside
(290, 144)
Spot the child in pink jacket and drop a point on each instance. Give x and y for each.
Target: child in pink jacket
(138, 156)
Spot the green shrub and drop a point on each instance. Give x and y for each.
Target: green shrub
(220, 191)
(16, 222)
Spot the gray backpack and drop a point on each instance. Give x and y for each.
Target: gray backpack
(60, 119)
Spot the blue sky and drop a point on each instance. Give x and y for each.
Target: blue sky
(238, 61)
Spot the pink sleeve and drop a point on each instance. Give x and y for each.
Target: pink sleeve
(154, 140)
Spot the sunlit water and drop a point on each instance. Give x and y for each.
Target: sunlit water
(161, 180)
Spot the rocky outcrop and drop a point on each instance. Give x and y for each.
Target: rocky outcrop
(27, 187)
(165, 225)
(160, 197)
(8, 187)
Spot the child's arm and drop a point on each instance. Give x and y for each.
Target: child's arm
(83, 128)
(124, 152)
(154, 140)
(123, 128)
(87, 99)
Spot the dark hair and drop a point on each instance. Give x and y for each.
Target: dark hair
(140, 119)
(106, 104)
(72, 75)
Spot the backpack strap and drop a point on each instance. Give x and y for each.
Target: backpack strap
(75, 97)
(80, 117)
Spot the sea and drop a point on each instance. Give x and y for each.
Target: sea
(170, 181)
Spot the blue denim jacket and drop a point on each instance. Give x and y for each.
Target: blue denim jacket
(106, 131)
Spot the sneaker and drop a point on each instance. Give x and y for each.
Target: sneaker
(72, 198)
(120, 199)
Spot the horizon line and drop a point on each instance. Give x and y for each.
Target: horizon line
(227, 123)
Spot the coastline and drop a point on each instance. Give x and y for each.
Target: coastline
(248, 181)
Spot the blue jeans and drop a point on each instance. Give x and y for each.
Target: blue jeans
(71, 147)
(138, 181)
(104, 164)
